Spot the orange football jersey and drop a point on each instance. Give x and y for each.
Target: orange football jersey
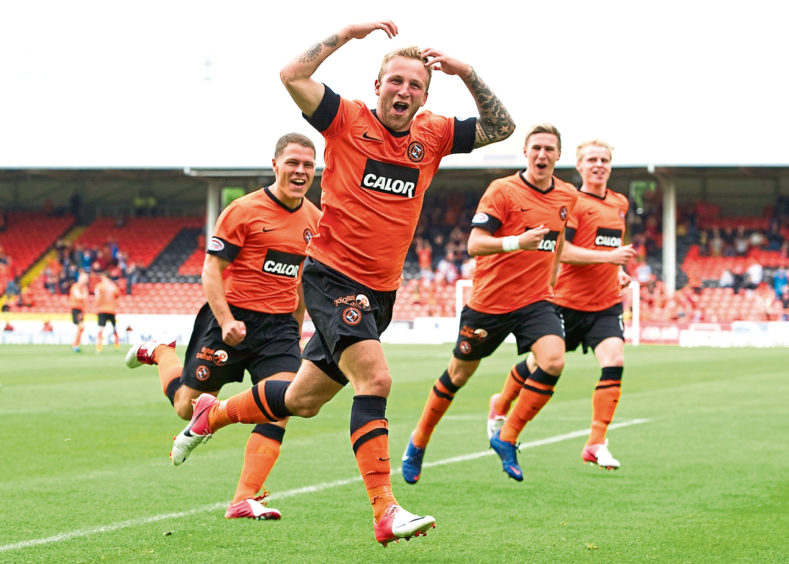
(374, 184)
(599, 224)
(504, 282)
(107, 295)
(265, 242)
(77, 296)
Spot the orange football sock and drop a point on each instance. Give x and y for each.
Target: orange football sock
(511, 389)
(438, 402)
(260, 455)
(370, 441)
(99, 341)
(536, 392)
(262, 403)
(604, 401)
(169, 365)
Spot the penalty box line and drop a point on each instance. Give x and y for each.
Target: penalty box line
(61, 537)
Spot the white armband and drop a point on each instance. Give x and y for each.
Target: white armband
(510, 243)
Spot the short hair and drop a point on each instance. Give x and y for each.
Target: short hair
(411, 52)
(296, 138)
(592, 143)
(544, 128)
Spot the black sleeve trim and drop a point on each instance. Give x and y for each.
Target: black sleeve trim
(222, 249)
(569, 234)
(465, 135)
(490, 224)
(326, 111)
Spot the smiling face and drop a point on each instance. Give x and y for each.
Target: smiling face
(294, 169)
(594, 165)
(401, 91)
(541, 151)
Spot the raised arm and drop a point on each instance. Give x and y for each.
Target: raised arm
(297, 75)
(495, 122)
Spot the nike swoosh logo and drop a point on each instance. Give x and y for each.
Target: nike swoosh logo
(525, 209)
(266, 230)
(366, 135)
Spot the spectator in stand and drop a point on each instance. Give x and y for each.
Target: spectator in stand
(447, 270)
(785, 302)
(12, 289)
(753, 276)
(467, 268)
(49, 280)
(741, 242)
(424, 254)
(133, 276)
(727, 279)
(779, 280)
(728, 241)
(757, 240)
(739, 278)
(716, 243)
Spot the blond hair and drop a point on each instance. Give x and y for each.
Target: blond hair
(545, 128)
(411, 52)
(579, 152)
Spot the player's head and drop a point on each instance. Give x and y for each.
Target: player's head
(294, 168)
(594, 162)
(83, 278)
(542, 149)
(401, 87)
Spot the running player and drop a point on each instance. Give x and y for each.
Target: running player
(516, 235)
(378, 165)
(107, 294)
(251, 279)
(78, 299)
(588, 293)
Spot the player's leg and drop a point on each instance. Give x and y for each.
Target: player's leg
(77, 316)
(438, 401)
(501, 403)
(100, 335)
(538, 389)
(610, 355)
(115, 339)
(365, 366)
(169, 367)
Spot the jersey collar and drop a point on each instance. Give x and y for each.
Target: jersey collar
(391, 131)
(533, 187)
(280, 204)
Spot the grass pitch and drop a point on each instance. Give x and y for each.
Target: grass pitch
(85, 475)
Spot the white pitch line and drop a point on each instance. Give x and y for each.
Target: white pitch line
(287, 493)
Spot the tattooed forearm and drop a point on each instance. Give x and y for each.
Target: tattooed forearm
(495, 123)
(314, 52)
(311, 54)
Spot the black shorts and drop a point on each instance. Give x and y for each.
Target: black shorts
(105, 317)
(77, 315)
(270, 346)
(480, 334)
(590, 328)
(344, 312)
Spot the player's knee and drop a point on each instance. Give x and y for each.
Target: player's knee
(183, 409)
(553, 365)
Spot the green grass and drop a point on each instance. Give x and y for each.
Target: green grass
(85, 476)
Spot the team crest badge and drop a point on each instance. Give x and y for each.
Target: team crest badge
(220, 357)
(363, 302)
(351, 316)
(307, 235)
(416, 151)
(465, 347)
(202, 373)
(563, 213)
